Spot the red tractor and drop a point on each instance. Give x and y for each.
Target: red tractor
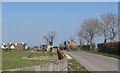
(70, 45)
(73, 45)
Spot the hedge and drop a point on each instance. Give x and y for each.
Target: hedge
(110, 47)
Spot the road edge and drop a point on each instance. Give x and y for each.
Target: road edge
(90, 70)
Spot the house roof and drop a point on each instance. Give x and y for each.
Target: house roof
(16, 45)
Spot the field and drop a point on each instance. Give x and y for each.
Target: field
(13, 59)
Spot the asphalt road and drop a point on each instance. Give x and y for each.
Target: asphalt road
(95, 62)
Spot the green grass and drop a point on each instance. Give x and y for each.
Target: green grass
(13, 59)
(105, 54)
(75, 66)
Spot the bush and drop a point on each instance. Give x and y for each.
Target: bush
(110, 48)
(84, 47)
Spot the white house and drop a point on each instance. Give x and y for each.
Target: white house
(23, 43)
(15, 43)
(49, 47)
(3, 43)
(26, 47)
(3, 46)
(12, 47)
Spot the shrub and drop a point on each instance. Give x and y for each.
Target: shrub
(110, 47)
(84, 47)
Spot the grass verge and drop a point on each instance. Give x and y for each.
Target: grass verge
(73, 65)
(105, 54)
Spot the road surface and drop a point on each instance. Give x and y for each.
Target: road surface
(95, 62)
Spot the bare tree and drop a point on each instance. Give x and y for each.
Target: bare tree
(50, 38)
(46, 37)
(109, 23)
(89, 29)
(83, 36)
